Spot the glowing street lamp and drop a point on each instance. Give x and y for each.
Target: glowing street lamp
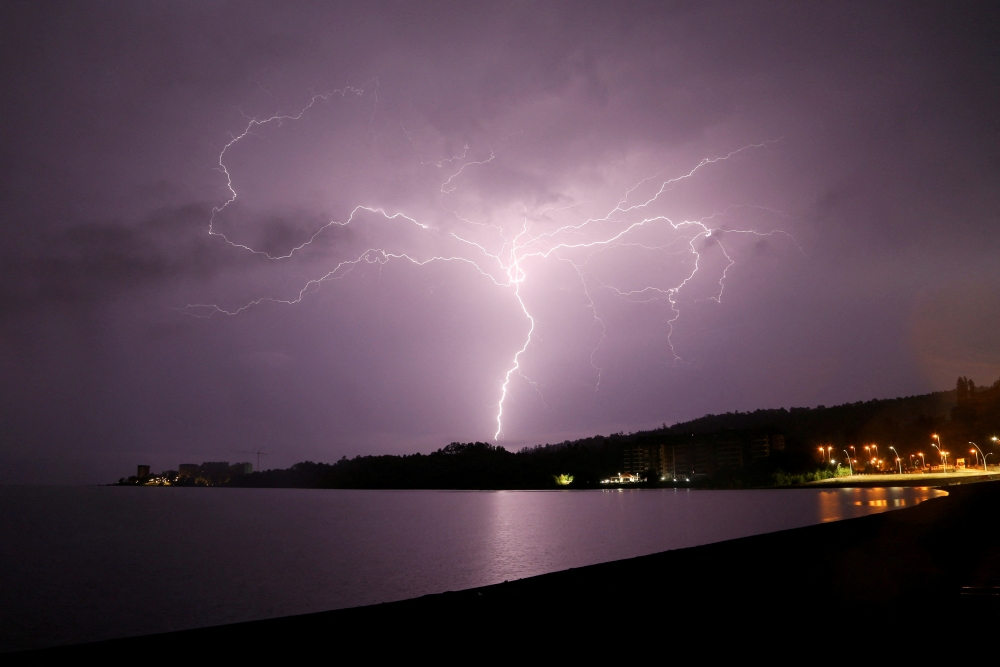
(898, 463)
(849, 462)
(944, 458)
(923, 462)
(939, 448)
(980, 452)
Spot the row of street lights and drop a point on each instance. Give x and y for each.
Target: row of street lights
(827, 454)
(976, 451)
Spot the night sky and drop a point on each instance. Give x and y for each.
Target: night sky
(442, 175)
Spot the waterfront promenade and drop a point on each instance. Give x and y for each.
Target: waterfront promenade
(966, 476)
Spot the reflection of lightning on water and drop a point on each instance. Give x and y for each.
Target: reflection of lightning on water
(505, 267)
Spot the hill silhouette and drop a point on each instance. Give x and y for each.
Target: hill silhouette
(966, 413)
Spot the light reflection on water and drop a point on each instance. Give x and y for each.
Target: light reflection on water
(81, 564)
(846, 503)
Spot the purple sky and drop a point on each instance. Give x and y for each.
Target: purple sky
(526, 147)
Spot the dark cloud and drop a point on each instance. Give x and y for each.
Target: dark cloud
(99, 261)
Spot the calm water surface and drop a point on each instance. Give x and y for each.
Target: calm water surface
(84, 563)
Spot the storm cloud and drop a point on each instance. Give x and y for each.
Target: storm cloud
(869, 172)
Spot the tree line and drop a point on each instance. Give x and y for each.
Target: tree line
(969, 412)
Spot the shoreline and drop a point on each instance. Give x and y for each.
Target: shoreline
(934, 556)
(941, 479)
(853, 481)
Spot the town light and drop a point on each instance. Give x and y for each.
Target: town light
(980, 452)
(939, 446)
(900, 465)
(942, 453)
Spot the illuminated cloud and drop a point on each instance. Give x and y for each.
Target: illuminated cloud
(487, 138)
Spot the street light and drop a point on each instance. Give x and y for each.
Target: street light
(944, 461)
(850, 463)
(977, 458)
(898, 463)
(923, 461)
(944, 454)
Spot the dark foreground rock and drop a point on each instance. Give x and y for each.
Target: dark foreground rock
(931, 572)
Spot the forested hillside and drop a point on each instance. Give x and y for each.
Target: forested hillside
(966, 413)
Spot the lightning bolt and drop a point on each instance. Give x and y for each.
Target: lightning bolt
(500, 259)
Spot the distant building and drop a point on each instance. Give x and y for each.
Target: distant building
(704, 454)
(640, 458)
(187, 470)
(143, 471)
(622, 478)
(241, 468)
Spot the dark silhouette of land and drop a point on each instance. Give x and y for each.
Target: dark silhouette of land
(935, 566)
(958, 416)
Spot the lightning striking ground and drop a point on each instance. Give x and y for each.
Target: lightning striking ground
(504, 265)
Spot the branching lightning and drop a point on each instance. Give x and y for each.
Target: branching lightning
(501, 256)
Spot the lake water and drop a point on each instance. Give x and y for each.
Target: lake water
(86, 563)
